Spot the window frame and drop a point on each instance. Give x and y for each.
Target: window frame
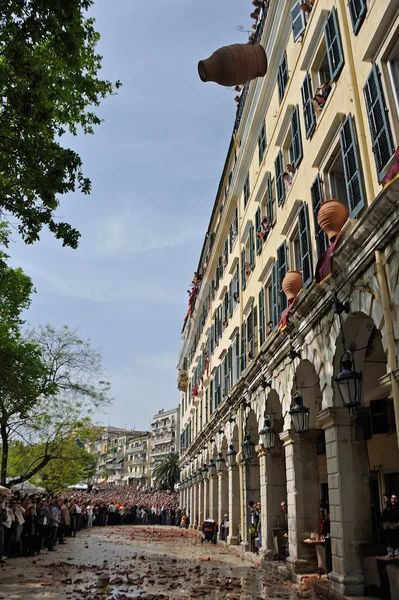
(357, 13)
(262, 142)
(282, 76)
(300, 16)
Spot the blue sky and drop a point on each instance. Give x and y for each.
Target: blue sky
(155, 165)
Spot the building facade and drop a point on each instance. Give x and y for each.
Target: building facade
(123, 456)
(258, 362)
(165, 427)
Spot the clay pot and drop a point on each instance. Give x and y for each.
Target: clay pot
(292, 284)
(234, 65)
(332, 216)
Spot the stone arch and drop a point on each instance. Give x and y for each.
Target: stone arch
(308, 383)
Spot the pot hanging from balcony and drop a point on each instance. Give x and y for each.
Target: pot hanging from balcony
(332, 216)
(292, 284)
(234, 65)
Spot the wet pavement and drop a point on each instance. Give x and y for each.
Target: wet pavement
(150, 563)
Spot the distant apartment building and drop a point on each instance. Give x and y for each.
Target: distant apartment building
(165, 431)
(122, 456)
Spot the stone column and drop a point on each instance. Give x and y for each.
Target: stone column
(200, 505)
(194, 507)
(213, 498)
(234, 504)
(205, 486)
(273, 490)
(349, 498)
(303, 498)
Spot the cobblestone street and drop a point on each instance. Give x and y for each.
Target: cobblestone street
(142, 562)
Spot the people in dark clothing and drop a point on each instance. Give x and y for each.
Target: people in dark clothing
(30, 533)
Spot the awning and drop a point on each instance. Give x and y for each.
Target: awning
(324, 264)
(284, 317)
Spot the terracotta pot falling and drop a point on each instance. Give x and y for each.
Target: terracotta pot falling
(332, 216)
(234, 65)
(292, 284)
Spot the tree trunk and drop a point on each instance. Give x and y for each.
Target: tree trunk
(4, 455)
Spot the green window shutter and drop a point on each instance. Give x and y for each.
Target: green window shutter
(262, 142)
(246, 190)
(237, 281)
(278, 165)
(304, 245)
(275, 311)
(213, 288)
(243, 276)
(251, 246)
(282, 270)
(226, 307)
(211, 398)
(353, 176)
(231, 298)
(316, 192)
(262, 316)
(297, 20)
(212, 338)
(217, 276)
(230, 361)
(226, 250)
(333, 44)
(243, 346)
(237, 357)
(357, 11)
(308, 110)
(377, 112)
(269, 201)
(258, 229)
(220, 321)
(282, 76)
(296, 137)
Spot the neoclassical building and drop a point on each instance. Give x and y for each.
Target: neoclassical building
(289, 391)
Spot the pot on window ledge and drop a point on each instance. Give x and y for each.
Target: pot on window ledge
(332, 216)
(292, 284)
(234, 65)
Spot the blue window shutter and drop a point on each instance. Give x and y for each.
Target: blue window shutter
(275, 316)
(243, 276)
(316, 192)
(304, 245)
(282, 77)
(377, 112)
(258, 229)
(357, 11)
(335, 54)
(251, 246)
(262, 316)
(353, 175)
(243, 346)
(278, 165)
(308, 110)
(282, 270)
(269, 203)
(296, 137)
(297, 20)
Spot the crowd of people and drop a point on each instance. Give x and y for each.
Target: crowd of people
(30, 523)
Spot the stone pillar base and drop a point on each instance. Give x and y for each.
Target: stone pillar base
(232, 540)
(301, 567)
(266, 553)
(346, 585)
(244, 546)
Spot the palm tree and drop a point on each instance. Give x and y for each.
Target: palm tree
(167, 473)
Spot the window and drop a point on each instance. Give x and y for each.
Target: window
(353, 176)
(250, 334)
(226, 375)
(377, 112)
(243, 276)
(226, 309)
(270, 199)
(243, 346)
(246, 190)
(304, 246)
(297, 151)
(297, 20)
(274, 311)
(206, 405)
(333, 45)
(316, 192)
(282, 76)
(258, 219)
(236, 359)
(357, 11)
(262, 142)
(280, 187)
(393, 70)
(295, 251)
(261, 316)
(234, 229)
(220, 321)
(282, 270)
(251, 246)
(308, 110)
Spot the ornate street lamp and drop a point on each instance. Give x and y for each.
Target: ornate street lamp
(349, 382)
(204, 472)
(268, 434)
(212, 468)
(248, 448)
(220, 462)
(199, 475)
(231, 456)
(299, 415)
